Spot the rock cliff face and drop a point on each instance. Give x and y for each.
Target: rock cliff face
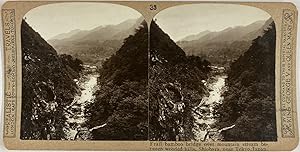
(249, 103)
(47, 86)
(175, 87)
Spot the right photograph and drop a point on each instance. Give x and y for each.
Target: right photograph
(212, 74)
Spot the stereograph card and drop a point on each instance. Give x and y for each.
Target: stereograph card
(150, 75)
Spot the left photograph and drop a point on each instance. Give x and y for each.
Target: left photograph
(84, 73)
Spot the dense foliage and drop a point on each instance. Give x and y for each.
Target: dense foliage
(175, 87)
(72, 62)
(121, 101)
(249, 103)
(47, 87)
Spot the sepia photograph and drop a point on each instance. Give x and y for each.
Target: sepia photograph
(149, 75)
(84, 73)
(212, 74)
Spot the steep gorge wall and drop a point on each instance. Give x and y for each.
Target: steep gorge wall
(47, 87)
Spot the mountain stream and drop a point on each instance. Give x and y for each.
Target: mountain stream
(205, 129)
(75, 111)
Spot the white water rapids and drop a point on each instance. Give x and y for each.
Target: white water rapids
(204, 129)
(75, 115)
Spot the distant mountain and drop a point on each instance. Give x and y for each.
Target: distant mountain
(65, 35)
(47, 86)
(228, 34)
(94, 46)
(224, 46)
(195, 36)
(259, 32)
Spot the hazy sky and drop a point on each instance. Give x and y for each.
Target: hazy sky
(185, 20)
(53, 19)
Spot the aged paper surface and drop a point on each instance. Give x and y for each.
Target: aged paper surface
(170, 76)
